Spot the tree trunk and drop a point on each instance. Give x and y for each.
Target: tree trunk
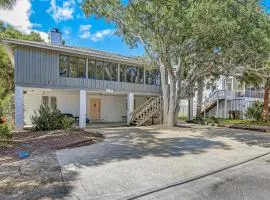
(266, 102)
(170, 93)
(200, 86)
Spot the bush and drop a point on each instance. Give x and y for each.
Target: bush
(67, 122)
(255, 111)
(5, 134)
(213, 119)
(47, 118)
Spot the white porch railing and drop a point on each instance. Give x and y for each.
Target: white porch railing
(226, 94)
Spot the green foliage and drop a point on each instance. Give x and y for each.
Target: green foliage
(255, 111)
(5, 134)
(7, 108)
(67, 122)
(47, 118)
(7, 70)
(7, 4)
(183, 36)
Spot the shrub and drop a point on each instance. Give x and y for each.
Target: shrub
(213, 119)
(67, 122)
(255, 111)
(47, 118)
(5, 134)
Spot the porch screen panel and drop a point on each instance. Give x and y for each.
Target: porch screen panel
(123, 73)
(73, 67)
(131, 74)
(107, 71)
(100, 70)
(114, 71)
(139, 77)
(63, 65)
(92, 69)
(81, 68)
(152, 77)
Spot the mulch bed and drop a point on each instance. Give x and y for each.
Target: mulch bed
(46, 140)
(247, 127)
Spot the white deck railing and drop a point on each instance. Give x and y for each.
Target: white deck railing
(226, 94)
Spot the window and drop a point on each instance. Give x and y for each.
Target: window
(53, 102)
(49, 101)
(45, 100)
(70, 66)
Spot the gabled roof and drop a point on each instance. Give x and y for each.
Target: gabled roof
(76, 50)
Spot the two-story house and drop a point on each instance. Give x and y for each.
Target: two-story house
(84, 82)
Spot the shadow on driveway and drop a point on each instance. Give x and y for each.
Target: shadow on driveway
(136, 143)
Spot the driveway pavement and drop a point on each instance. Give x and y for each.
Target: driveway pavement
(133, 161)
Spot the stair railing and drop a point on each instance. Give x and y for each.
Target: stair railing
(145, 115)
(139, 109)
(152, 102)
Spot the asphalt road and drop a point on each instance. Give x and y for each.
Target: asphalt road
(249, 181)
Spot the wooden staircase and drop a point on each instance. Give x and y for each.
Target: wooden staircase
(149, 109)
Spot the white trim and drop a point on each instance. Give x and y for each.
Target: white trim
(86, 52)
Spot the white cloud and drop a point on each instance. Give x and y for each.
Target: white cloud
(101, 34)
(66, 32)
(19, 17)
(85, 27)
(85, 33)
(64, 12)
(43, 35)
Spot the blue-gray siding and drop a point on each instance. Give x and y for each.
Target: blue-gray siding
(36, 67)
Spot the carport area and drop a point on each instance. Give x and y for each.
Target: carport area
(133, 161)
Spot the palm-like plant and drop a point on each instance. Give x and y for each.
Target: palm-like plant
(255, 111)
(7, 4)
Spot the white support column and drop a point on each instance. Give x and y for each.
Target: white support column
(225, 108)
(86, 68)
(82, 119)
(130, 106)
(217, 111)
(118, 72)
(190, 109)
(19, 108)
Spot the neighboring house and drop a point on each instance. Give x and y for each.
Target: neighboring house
(102, 86)
(227, 98)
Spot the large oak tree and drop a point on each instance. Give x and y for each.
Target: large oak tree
(182, 37)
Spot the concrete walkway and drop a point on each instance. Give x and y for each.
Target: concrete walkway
(132, 161)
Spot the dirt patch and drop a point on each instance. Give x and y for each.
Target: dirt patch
(37, 177)
(46, 140)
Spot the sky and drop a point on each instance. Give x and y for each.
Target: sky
(68, 17)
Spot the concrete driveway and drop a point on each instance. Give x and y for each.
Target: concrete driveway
(132, 162)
